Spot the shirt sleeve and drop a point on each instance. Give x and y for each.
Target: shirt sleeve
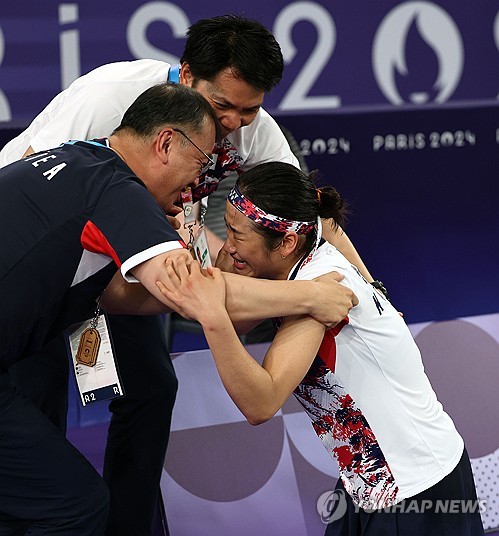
(128, 225)
(94, 104)
(262, 141)
(81, 115)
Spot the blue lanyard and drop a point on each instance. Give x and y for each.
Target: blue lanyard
(174, 74)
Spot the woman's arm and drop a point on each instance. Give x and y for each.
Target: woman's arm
(342, 243)
(248, 299)
(325, 299)
(257, 390)
(328, 302)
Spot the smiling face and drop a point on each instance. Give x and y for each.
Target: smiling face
(248, 250)
(234, 101)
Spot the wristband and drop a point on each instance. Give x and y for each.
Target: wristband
(381, 287)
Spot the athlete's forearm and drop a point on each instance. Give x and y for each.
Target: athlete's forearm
(260, 390)
(248, 384)
(250, 299)
(323, 298)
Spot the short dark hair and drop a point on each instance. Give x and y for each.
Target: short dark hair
(168, 104)
(231, 41)
(284, 190)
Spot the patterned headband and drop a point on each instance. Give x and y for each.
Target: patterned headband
(264, 219)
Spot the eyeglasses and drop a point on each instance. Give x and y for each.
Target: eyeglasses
(207, 165)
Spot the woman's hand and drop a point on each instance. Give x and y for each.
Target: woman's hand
(224, 261)
(196, 294)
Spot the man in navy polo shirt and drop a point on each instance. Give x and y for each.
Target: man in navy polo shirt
(71, 216)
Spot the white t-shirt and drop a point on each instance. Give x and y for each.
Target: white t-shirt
(370, 400)
(91, 107)
(94, 104)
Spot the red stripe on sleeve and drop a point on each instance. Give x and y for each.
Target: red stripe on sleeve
(327, 350)
(94, 241)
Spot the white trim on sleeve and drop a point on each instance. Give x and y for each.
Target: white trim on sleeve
(145, 255)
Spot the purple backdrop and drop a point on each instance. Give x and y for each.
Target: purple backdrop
(422, 189)
(348, 54)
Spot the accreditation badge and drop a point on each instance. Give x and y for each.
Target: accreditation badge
(200, 248)
(188, 206)
(94, 365)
